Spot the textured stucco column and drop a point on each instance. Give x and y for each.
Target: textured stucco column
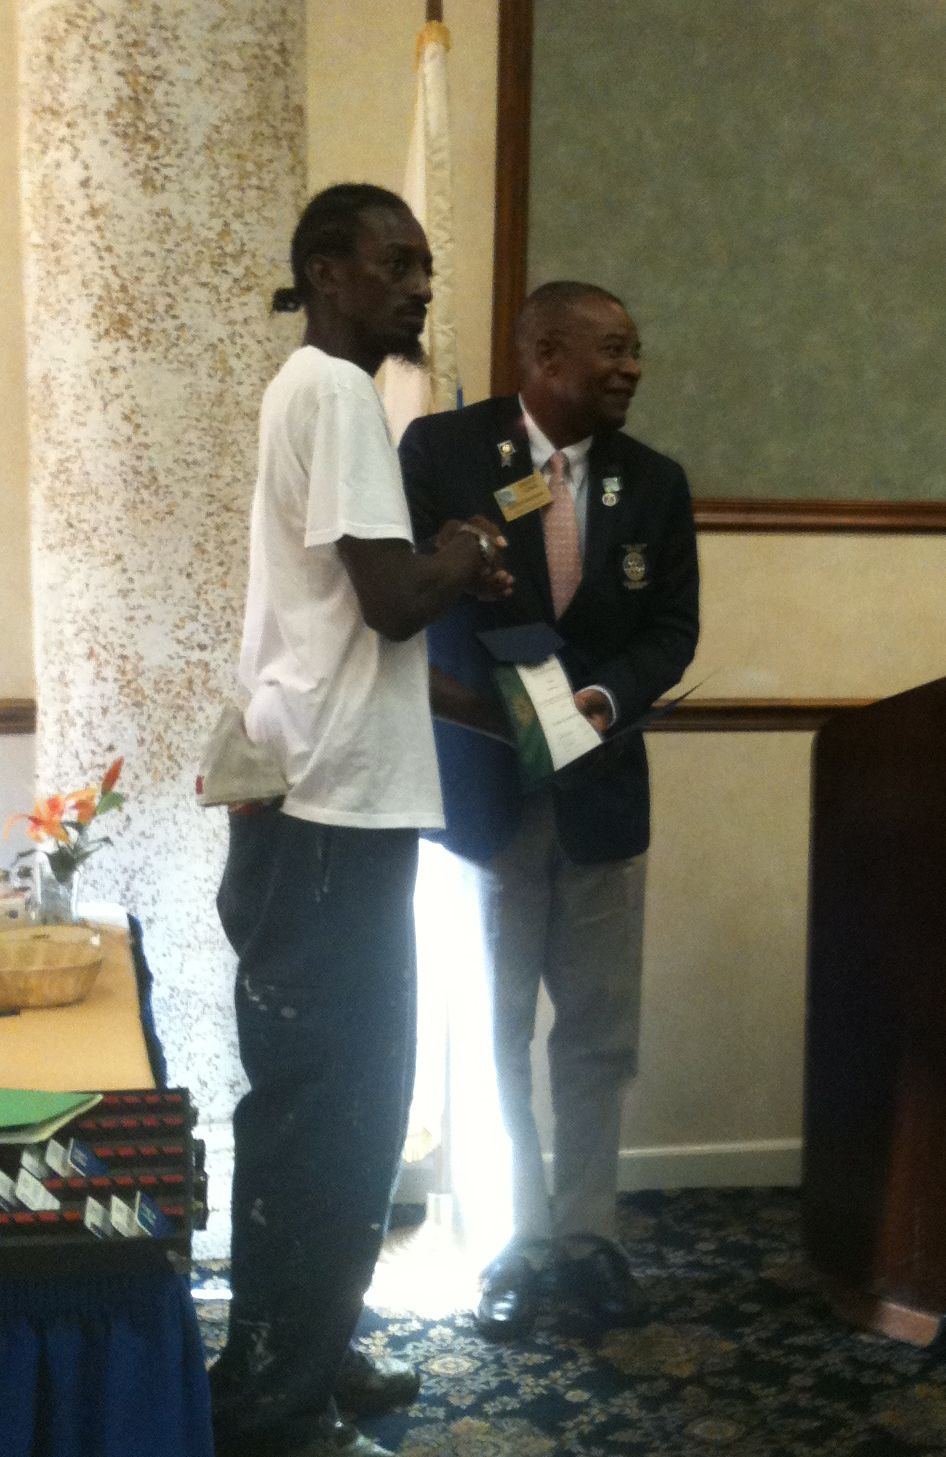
(162, 170)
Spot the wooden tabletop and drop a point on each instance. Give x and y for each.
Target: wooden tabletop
(97, 1043)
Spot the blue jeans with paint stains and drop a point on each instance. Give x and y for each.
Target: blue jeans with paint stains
(321, 919)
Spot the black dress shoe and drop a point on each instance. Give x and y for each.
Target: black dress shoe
(338, 1439)
(327, 1437)
(599, 1279)
(366, 1385)
(509, 1301)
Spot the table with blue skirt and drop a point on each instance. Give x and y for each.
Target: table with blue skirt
(104, 1363)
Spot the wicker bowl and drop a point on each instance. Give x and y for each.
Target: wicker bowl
(47, 966)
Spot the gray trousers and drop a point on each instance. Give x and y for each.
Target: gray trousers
(578, 929)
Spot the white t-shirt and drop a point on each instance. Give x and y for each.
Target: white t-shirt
(346, 710)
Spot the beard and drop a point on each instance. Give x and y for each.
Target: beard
(410, 352)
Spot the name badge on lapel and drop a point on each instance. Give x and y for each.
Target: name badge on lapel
(520, 497)
(634, 566)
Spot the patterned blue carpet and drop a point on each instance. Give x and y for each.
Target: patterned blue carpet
(741, 1357)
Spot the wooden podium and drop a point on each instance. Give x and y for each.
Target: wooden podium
(875, 1096)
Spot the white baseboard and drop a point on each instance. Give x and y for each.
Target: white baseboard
(751, 1164)
(755, 1163)
(760, 1162)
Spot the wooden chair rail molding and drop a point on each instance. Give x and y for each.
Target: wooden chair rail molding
(695, 715)
(752, 715)
(740, 513)
(17, 716)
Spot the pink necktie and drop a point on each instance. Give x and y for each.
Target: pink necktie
(560, 525)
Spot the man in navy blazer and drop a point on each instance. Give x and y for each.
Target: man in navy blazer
(562, 873)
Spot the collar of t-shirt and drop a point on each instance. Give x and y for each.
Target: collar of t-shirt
(577, 456)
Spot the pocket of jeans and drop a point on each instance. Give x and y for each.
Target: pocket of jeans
(244, 877)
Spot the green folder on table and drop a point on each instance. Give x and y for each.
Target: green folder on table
(29, 1116)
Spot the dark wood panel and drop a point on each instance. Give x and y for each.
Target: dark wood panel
(17, 716)
(875, 1094)
(511, 222)
(510, 263)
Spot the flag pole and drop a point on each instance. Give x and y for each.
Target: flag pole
(428, 190)
(441, 1206)
(441, 1203)
(410, 392)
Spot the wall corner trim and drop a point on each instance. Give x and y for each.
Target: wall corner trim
(17, 716)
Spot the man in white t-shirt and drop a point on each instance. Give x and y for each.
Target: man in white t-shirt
(316, 897)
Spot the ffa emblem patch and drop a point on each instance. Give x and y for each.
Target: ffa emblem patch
(522, 709)
(506, 452)
(634, 566)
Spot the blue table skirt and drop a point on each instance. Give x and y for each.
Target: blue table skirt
(102, 1366)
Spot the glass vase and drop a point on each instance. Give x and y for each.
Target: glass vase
(55, 898)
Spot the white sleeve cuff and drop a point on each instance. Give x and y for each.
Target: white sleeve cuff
(612, 704)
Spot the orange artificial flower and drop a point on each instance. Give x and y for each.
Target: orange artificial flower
(45, 823)
(83, 803)
(65, 820)
(111, 775)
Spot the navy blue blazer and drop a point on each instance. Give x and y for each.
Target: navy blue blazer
(631, 627)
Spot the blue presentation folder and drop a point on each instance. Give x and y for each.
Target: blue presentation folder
(529, 644)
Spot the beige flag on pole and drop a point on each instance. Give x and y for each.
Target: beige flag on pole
(428, 189)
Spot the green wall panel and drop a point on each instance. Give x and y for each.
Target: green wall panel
(764, 182)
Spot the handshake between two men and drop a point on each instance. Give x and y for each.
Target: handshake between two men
(492, 583)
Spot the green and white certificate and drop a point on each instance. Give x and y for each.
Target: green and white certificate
(549, 730)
